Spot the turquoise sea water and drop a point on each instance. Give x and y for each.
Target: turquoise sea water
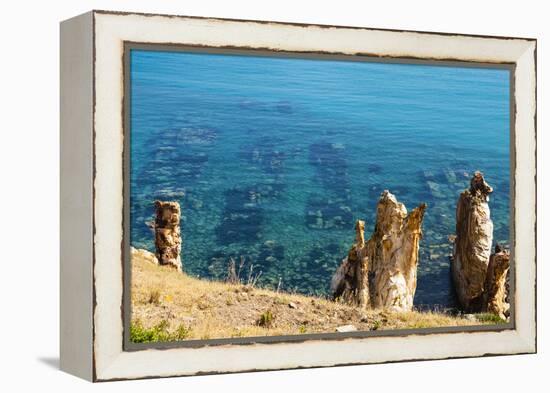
(273, 159)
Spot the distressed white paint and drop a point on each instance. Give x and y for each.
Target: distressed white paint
(76, 172)
(112, 30)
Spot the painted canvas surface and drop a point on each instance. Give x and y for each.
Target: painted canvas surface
(278, 195)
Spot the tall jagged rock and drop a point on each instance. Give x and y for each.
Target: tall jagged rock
(167, 234)
(495, 291)
(393, 254)
(350, 282)
(381, 273)
(472, 245)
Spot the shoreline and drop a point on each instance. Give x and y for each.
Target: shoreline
(168, 305)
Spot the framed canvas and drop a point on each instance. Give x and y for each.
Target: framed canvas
(246, 195)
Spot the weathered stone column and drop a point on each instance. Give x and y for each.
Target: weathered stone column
(393, 254)
(167, 234)
(350, 282)
(472, 246)
(495, 293)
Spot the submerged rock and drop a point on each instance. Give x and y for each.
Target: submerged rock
(450, 175)
(393, 254)
(331, 169)
(472, 246)
(495, 291)
(242, 216)
(266, 154)
(167, 234)
(435, 190)
(350, 283)
(324, 213)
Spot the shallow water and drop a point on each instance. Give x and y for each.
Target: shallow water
(273, 159)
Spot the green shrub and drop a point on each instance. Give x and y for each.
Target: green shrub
(489, 318)
(266, 319)
(182, 332)
(158, 333)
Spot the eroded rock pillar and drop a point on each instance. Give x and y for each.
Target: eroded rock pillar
(167, 234)
(495, 283)
(393, 254)
(350, 282)
(472, 246)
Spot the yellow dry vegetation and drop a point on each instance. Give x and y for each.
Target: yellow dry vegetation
(185, 307)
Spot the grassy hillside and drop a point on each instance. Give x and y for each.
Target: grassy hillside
(168, 305)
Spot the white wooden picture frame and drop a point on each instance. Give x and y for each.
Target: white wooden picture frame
(92, 196)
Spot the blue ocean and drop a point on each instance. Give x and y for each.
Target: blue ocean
(273, 159)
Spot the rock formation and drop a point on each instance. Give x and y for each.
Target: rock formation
(167, 234)
(381, 273)
(350, 282)
(393, 254)
(495, 292)
(472, 246)
(145, 255)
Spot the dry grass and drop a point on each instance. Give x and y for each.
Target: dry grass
(204, 309)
